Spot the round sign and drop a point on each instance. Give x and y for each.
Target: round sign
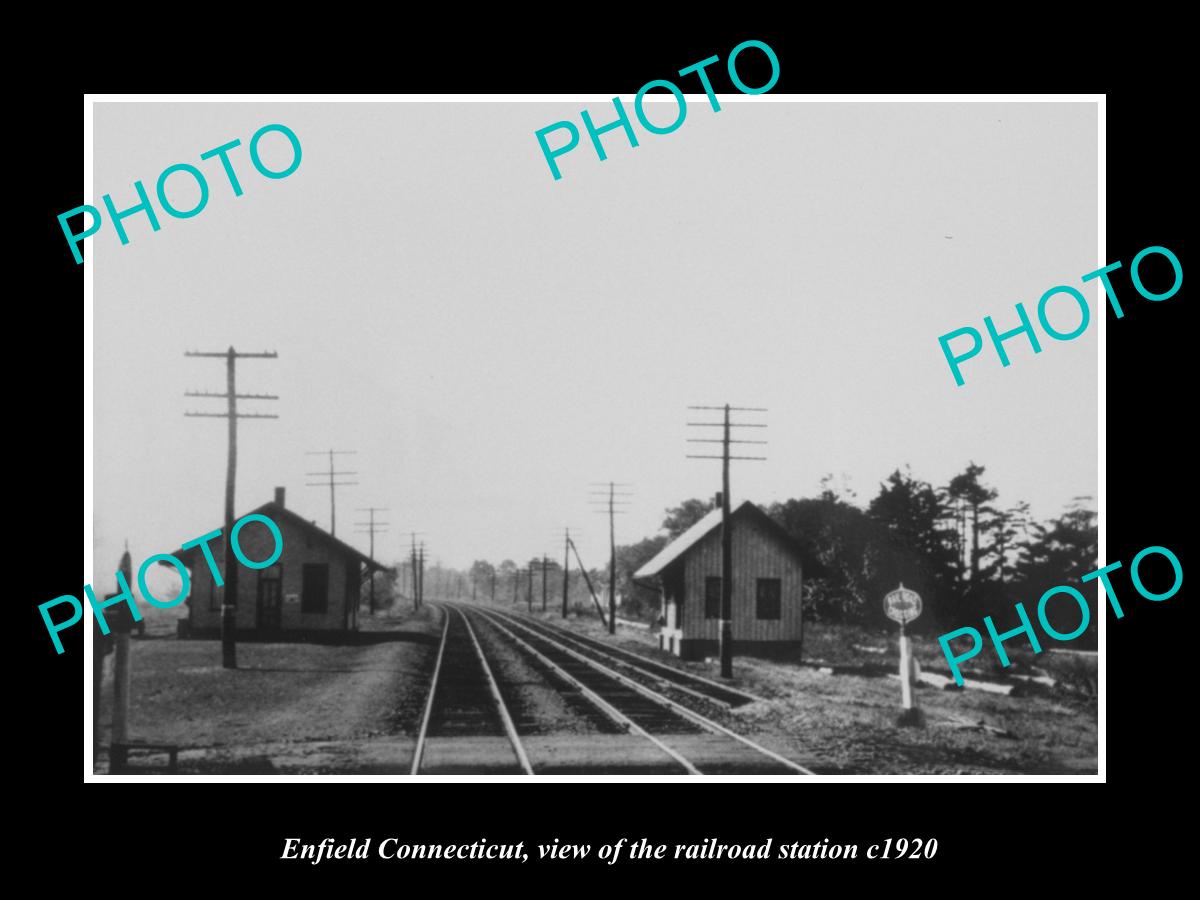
(902, 605)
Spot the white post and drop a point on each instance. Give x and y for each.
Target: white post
(97, 687)
(903, 606)
(120, 722)
(906, 672)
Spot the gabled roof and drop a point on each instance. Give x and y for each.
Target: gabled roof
(279, 514)
(679, 547)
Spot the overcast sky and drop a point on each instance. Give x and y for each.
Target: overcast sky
(491, 340)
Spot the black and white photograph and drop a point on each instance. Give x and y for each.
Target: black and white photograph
(662, 454)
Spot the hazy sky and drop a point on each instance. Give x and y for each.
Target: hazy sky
(491, 340)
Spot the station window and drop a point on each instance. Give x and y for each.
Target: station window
(314, 589)
(768, 598)
(712, 597)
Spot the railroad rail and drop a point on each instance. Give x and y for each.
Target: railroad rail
(474, 706)
(679, 679)
(629, 703)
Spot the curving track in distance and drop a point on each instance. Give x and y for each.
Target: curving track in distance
(464, 699)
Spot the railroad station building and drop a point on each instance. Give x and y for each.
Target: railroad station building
(766, 587)
(313, 588)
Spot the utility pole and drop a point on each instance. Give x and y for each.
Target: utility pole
(229, 602)
(119, 637)
(416, 598)
(493, 584)
(412, 565)
(566, 569)
(529, 593)
(565, 536)
(421, 575)
(612, 564)
(588, 581)
(612, 510)
(332, 483)
(516, 587)
(544, 565)
(726, 525)
(372, 528)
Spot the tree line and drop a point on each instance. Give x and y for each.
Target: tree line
(506, 582)
(966, 555)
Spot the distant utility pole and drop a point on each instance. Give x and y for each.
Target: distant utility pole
(119, 640)
(516, 587)
(413, 568)
(229, 603)
(332, 483)
(493, 584)
(372, 528)
(421, 575)
(588, 581)
(544, 565)
(611, 506)
(566, 568)
(529, 593)
(415, 596)
(726, 527)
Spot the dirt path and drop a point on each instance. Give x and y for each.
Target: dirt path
(846, 724)
(280, 694)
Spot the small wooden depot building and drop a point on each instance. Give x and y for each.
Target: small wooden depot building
(766, 587)
(313, 589)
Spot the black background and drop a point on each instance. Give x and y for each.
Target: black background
(988, 833)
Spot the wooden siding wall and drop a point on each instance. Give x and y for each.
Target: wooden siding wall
(757, 553)
(672, 594)
(256, 544)
(352, 592)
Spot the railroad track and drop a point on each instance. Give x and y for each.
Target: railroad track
(465, 704)
(678, 679)
(694, 743)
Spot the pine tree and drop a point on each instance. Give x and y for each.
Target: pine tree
(972, 496)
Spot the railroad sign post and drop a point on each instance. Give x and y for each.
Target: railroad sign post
(101, 647)
(120, 624)
(903, 606)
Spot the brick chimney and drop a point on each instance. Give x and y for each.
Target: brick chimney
(279, 494)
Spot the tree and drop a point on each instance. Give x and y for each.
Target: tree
(385, 589)
(506, 576)
(1007, 528)
(1060, 553)
(952, 527)
(836, 553)
(971, 496)
(843, 492)
(481, 574)
(637, 600)
(913, 546)
(682, 517)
